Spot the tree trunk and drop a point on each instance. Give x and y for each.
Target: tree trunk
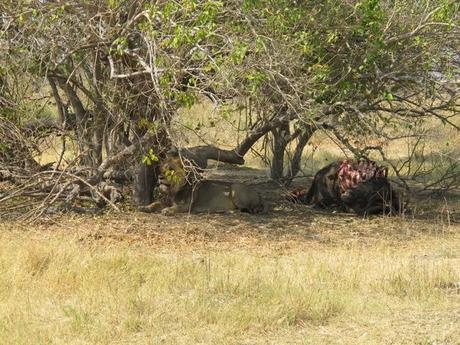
(281, 137)
(89, 129)
(146, 176)
(201, 154)
(303, 139)
(84, 130)
(259, 131)
(145, 180)
(59, 104)
(97, 141)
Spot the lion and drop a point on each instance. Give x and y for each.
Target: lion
(184, 190)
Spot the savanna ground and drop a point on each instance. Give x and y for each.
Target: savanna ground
(293, 276)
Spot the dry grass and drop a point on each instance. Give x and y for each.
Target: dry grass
(150, 279)
(294, 276)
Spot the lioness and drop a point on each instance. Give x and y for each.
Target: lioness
(185, 192)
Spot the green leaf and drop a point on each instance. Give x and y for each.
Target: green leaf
(149, 158)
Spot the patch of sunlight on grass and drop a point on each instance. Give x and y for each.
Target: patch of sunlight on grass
(418, 280)
(65, 292)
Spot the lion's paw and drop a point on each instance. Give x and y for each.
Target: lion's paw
(168, 211)
(153, 207)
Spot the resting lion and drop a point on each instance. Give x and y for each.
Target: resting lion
(184, 192)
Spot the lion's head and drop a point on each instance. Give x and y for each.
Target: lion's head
(177, 172)
(172, 177)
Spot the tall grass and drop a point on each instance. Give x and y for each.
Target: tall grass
(61, 291)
